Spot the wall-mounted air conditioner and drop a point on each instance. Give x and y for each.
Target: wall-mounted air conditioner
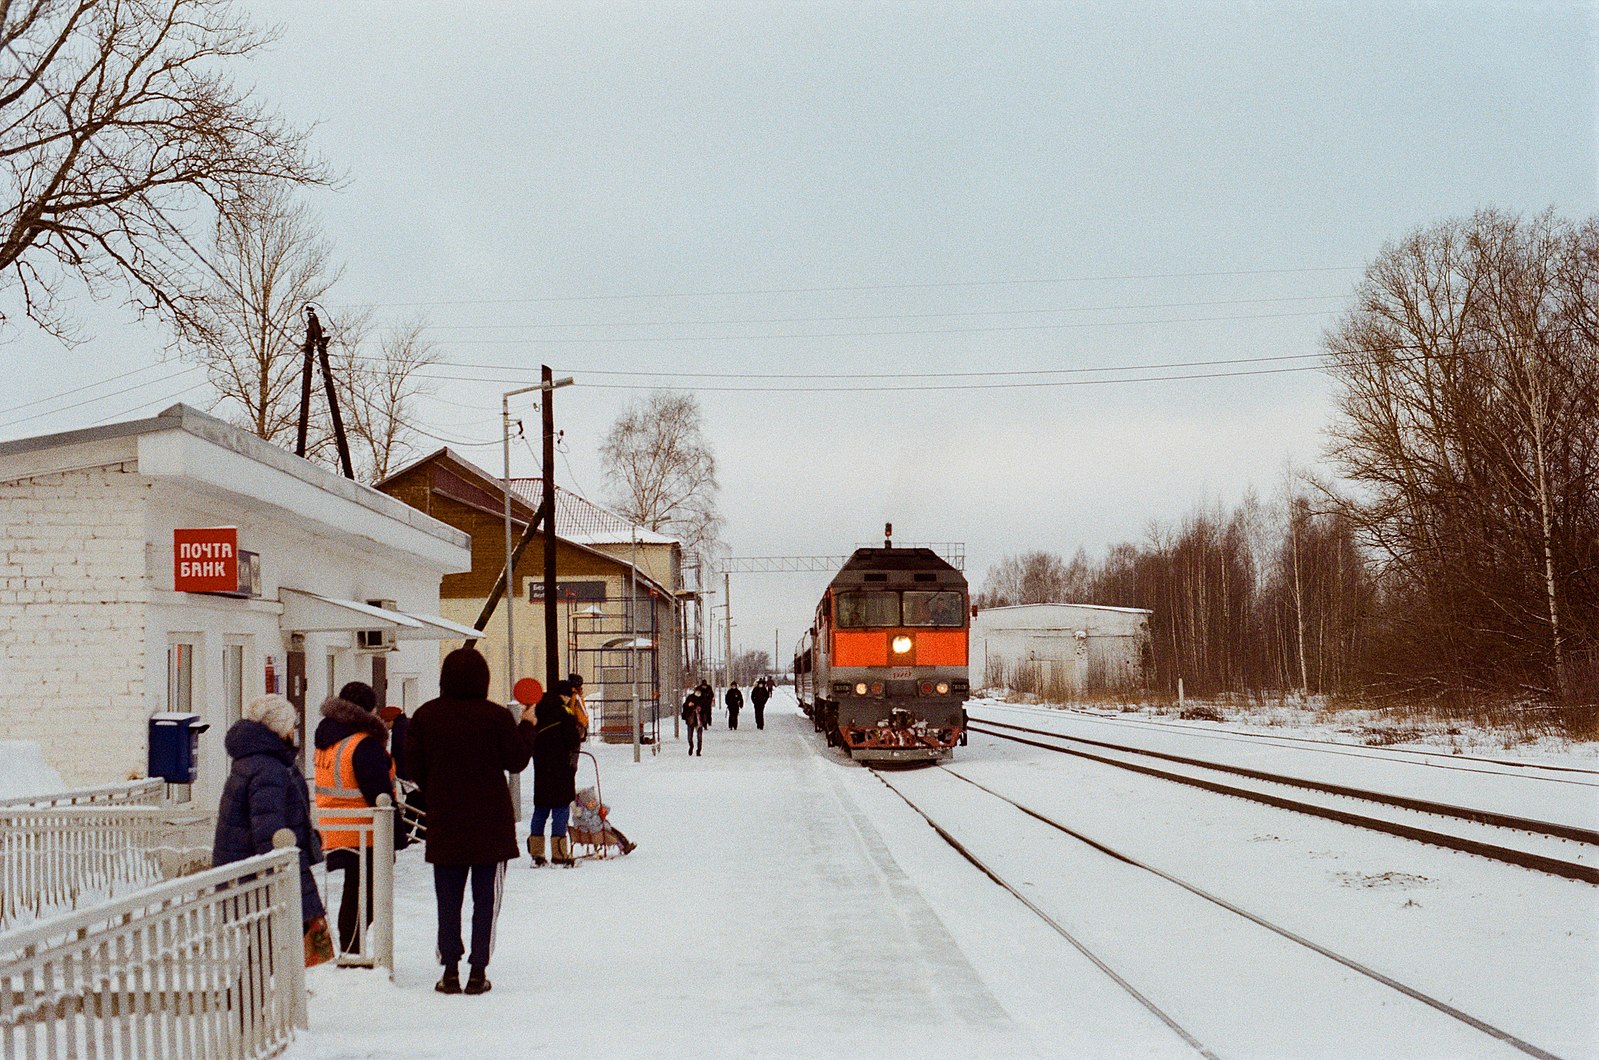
(376, 639)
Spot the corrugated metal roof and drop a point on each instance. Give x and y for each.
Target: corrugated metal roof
(580, 519)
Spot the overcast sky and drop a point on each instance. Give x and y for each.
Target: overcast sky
(916, 191)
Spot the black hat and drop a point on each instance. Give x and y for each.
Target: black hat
(563, 688)
(361, 694)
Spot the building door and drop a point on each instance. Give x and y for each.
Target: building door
(296, 695)
(380, 679)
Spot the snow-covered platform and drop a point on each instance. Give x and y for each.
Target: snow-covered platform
(783, 901)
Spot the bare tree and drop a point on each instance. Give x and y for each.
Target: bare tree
(273, 260)
(381, 388)
(662, 472)
(1469, 379)
(112, 114)
(1035, 578)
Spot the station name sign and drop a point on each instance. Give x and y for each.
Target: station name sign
(205, 559)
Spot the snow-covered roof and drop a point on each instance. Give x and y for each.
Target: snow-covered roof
(580, 519)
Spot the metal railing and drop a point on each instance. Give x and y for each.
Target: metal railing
(54, 858)
(127, 793)
(374, 829)
(209, 965)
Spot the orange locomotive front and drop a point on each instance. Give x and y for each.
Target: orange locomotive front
(883, 670)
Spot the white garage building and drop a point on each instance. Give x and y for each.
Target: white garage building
(104, 622)
(1061, 651)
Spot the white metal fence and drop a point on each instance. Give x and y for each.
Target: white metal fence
(374, 830)
(131, 793)
(54, 858)
(209, 965)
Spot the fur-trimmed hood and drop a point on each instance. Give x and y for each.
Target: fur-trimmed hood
(341, 718)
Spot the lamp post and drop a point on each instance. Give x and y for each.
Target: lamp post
(510, 575)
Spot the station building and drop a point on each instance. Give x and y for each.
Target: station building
(620, 601)
(1061, 651)
(179, 564)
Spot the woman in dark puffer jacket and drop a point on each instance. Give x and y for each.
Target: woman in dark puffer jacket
(265, 792)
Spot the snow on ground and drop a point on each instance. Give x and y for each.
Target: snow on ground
(1364, 727)
(23, 771)
(784, 902)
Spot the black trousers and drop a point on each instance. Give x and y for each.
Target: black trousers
(696, 735)
(760, 715)
(732, 717)
(449, 890)
(350, 909)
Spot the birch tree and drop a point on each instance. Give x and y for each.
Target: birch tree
(661, 471)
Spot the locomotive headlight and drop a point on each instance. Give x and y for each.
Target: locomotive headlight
(902, 644)
(943, 688)
(860, 688)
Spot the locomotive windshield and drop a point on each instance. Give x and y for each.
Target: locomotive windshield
(866, 610)
(874, 610)
(934, 609)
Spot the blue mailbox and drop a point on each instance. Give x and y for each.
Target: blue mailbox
(175, 747)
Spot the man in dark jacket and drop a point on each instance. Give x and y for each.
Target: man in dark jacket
(266, 791)
(735, 702)
(707, 699)
(459, 748)
(758, 696)
(344, 717)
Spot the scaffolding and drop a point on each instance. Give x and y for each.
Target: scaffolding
(616, 646)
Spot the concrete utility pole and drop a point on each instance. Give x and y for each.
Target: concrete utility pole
(552, 671)
(632, 624)
(727, 596)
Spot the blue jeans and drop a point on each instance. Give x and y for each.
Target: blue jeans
(557, 815)
(449, 890)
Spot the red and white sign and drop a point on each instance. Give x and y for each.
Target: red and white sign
(205, 559)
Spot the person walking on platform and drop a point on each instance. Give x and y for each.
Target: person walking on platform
(459, 747)
(692, 723)
(735, 702)
(577, 706)
(758, 697)
(707, 699)
(555, 747)
(353, 769)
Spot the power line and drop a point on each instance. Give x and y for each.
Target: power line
(617, 339)
(941, 285)
(80, 389)
(103, 397)
(888, 316)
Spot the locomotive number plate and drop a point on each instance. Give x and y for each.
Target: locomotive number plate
(902, 672)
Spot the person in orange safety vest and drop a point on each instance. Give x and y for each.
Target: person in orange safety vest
(353, 768)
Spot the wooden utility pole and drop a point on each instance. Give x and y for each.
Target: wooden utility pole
(552, 668)
(316, 345)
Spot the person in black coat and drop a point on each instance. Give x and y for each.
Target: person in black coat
(692, 722)
(343, 716)
(735, 702)
(707, 699)
(266, 791)
(758, 697)
(459, 748)
(555, 745)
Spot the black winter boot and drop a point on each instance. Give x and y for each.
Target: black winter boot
(477, 982)
(450, 982)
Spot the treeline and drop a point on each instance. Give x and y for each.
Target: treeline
(1456, 557)
(1259, 597)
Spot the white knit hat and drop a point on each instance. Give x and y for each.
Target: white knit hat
(273, 711)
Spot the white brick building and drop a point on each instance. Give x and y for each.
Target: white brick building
(94, 638)
(1060, 649)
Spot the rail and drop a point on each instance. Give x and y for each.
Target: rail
(57, 857)
(129, 793)
(374, 829)
(209, 965)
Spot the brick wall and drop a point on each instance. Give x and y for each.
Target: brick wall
(72, 620)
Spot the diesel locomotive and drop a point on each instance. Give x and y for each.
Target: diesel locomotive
(882, 670)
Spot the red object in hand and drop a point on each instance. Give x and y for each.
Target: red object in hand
(528, 691)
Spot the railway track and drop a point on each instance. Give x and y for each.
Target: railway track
(1258, 961)
(1552, 847)
(1543, 771)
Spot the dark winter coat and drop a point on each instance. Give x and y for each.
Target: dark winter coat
(555, 744)
(341, 719)
(707, 698)
(266, 791)
(691, 710)
(734, 699)
(760, 694)
(459, 748)
(397, 747)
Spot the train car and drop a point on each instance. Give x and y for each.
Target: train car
(882, 670)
